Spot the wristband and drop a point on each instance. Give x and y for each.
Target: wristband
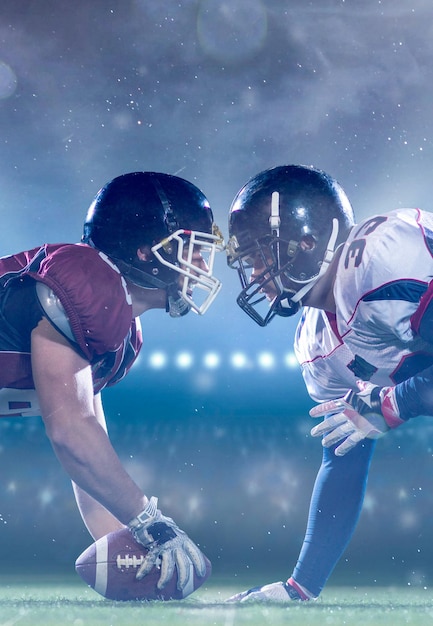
(149, 512)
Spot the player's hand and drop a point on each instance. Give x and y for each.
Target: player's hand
(366, 414)
(168, 545)
(274, 592)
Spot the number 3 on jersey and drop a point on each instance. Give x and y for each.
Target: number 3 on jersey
(356, 248)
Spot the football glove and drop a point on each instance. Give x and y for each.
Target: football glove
(168, 547)
(367, 414)
(274, 592)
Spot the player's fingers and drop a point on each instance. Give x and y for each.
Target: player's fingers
(349, 443)
(167, 568)
(184, 569)
(342, 432)
(332, 406)
(328, 425)
(196, 556)
(147, 564)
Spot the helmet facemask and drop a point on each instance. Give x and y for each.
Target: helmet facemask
(252, 299)
(279, 258)
(198, 288)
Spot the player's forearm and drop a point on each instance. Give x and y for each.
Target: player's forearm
(99, 522)
(88, 457)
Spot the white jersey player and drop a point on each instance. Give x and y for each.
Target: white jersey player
(382, 274)
(364, 341)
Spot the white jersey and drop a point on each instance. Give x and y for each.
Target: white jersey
(383, 273)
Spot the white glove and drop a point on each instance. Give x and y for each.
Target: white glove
(168, 546)
(367, 414)
(274, 592)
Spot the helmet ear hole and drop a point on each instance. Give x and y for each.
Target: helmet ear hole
(307, 243)
(144, 253)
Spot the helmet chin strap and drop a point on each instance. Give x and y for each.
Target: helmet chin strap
(176, 305)
(285, 307)
(329, 255)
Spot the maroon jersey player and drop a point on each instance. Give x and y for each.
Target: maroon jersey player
(69, 327)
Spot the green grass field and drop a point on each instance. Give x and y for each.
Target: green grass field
(58, 602)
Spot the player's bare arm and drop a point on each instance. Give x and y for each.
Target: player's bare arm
(99, 522)
(82, 446)
(78, 438)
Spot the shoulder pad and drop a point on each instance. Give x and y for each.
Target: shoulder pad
(89, 301)
(54, 310)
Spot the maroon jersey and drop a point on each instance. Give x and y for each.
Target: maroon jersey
(84, 296)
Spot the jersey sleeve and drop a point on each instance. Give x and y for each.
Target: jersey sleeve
(396, 301)
(378, 287)
(422, 319)
(93, 295)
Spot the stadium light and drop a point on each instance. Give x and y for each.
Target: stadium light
(291, 360)
(211, 360)
(184, 360)
(157, 360)
(238, 360)
(266, 360)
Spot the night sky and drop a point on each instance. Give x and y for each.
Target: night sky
(215, 91)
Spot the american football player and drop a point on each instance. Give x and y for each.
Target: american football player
(69, 327)
(364, 339)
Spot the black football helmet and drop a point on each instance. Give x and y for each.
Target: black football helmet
(294, 217)
(172, 218)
